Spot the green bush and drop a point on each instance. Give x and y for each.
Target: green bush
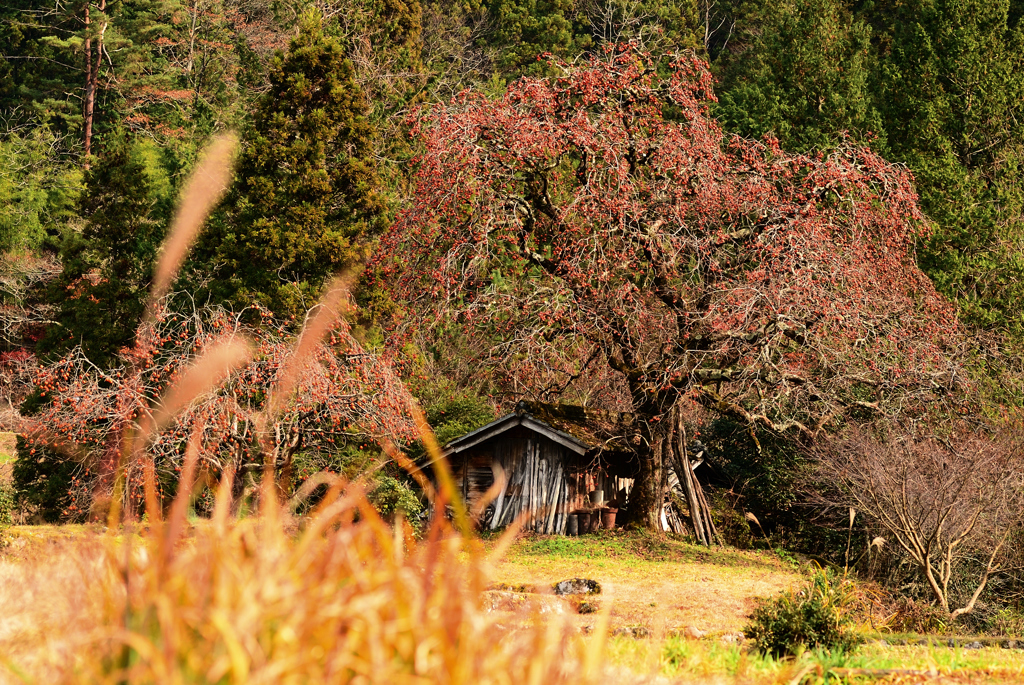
(6, 505)
(391, 496)
(815, 617)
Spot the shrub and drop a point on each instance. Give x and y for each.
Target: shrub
(911, 615)
(6, 506)
(392, 496)
(815, 617)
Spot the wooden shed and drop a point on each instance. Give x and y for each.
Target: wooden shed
(543, 471)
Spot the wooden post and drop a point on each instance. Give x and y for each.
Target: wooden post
(496, 516)
(553, 492)
(681, 462)
(700, 512)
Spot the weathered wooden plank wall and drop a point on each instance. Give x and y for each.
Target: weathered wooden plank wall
(542, 479)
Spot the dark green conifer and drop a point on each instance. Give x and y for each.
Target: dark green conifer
(100, 295)
(951, 92)
(803, 74)
(306, 198)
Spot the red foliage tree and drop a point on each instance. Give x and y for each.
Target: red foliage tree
(341, 393)
(22, 320)
(610, 242)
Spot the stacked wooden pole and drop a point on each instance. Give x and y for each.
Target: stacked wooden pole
(538, 486)
(700, 512)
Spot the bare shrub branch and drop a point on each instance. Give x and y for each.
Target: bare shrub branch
(945, 500)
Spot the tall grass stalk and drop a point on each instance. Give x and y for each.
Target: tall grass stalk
(338, 596)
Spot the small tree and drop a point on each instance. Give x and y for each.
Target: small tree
(307, 195)
(949, 503)
(342, 394)
(100, 295)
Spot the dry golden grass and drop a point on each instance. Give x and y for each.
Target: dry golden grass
(49, 604)
(338, 597)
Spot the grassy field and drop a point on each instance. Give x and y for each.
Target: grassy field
(668, 611)
(662, 589)
(657, 585)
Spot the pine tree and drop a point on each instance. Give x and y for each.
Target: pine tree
(804, 76)
(107, 268)
(951, 93)
(306, 197)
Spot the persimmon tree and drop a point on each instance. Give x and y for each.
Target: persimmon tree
(607, 240)
(22, 319)
(343, 394)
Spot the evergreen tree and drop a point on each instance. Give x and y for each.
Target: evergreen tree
(39, 185)
(525, 29)
(939, 86)
(107, 268)
(804, 76)
(528, 28)
(40, 69)
(306, 198)
(951, 92)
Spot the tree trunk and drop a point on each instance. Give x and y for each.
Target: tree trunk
(668, 451)
(92, 73)
(646, 497)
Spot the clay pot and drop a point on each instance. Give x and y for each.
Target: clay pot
(608, 518)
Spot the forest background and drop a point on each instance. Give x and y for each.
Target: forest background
(105, 108)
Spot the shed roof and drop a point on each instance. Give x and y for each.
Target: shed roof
(508, 422)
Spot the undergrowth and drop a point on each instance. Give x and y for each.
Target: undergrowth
(817, 616)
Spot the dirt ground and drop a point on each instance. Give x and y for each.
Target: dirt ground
(674, 587)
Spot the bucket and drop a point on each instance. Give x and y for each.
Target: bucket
(596, 498)
(572, 525)
(583, 522)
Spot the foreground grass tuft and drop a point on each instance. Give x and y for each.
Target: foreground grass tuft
(339, 597)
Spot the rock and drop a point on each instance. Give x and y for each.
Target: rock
(732, 638)
(633, 631)
(584, 605)
(577, 586)
(693, 633)
(973, 645)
